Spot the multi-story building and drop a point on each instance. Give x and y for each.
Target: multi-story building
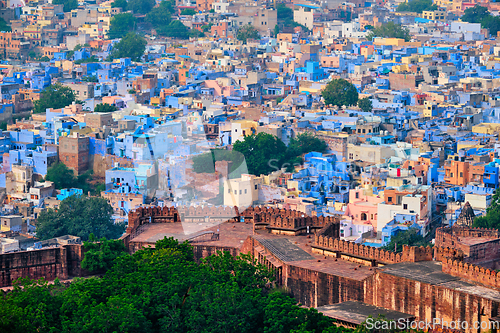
(74, 152)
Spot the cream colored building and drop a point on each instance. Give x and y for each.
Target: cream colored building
(241, 192)
(369, 153)
(304, 14)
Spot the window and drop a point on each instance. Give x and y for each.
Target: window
(245, 191)
(255, 186)
(357, 195)
(228, 190)
(389, 199)
(66, 158)
(240, 192)
(461, 174)
(405, 206)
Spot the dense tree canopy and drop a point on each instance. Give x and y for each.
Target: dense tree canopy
(480, 14)
(120, 3)
(131, 46)
(417, 6)
(390, 30)
(120, 25)
(105, 107)
(340, 92)
(78, 216)
(61, 176)
(475, 14)
(100, 254)
(410, 237)
(247, 32)
(55, 96)
(161, 15)
(188, 11)
(141, 6)
(68, 5)
(162, 289)
(175, 29)
(4, 26)
(264, 153)
(365, 104)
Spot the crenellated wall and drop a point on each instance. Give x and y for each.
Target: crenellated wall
(327, 244)
(471, 272)
(480, 246)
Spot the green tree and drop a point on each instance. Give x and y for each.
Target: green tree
(120, 25)
(475, 14)
(263, 153)
(417, 6)
(4, 26)
(105, 108)
(410, 237)
(247, 32)
(390, 30)
(131, 46)
(175, 29)
(276, 30)
(306, 142)
(55, 96)
(141, 6)
(44, 59)
(285, 18)
(68, 5)
(492, 218)
(120, 3)
(79, 216)
(161, 15)
(492, 23)
(61, 176)
(188, 11)
(365, 104)
(100, 254)
(340, 92)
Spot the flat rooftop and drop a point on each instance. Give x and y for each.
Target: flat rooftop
(357, 312)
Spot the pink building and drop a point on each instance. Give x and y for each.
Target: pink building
(362, 208)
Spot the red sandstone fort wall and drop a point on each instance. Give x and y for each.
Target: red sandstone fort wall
(57, 262)
(427, 301)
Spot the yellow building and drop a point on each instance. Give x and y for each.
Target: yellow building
(486, 128)
(434, 15)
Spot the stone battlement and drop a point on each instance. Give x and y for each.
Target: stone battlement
(467, 232)
(326, 243)
(471, 272)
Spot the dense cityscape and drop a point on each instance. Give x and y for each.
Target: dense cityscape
(249, 166)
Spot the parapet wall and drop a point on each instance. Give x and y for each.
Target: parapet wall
(409, 254)
(471, 272)
(143, 215)
(485, 247)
